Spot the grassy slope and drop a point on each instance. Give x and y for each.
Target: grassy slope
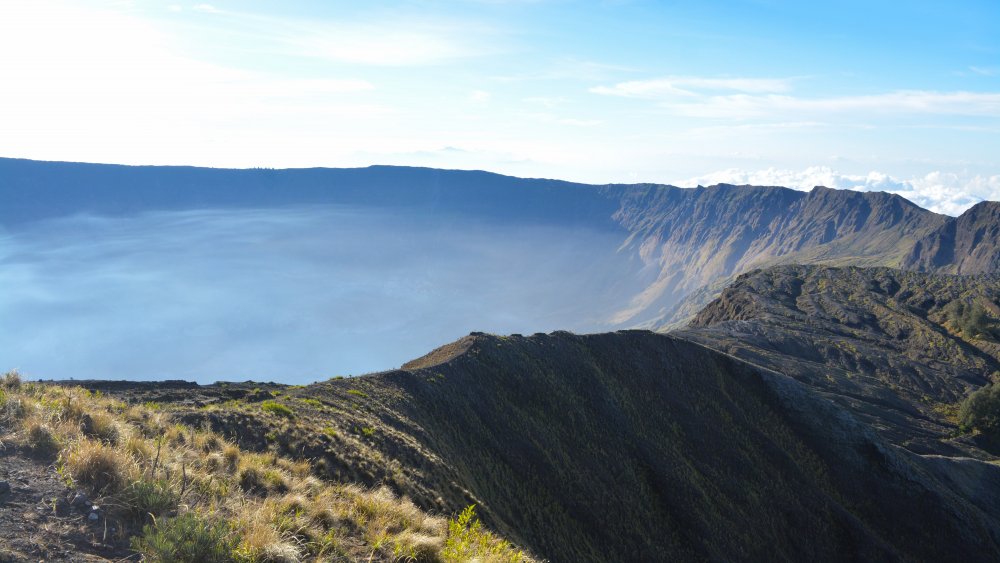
(631, 445)
(151, 474)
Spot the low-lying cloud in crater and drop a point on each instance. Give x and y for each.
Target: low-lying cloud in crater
(291, 295)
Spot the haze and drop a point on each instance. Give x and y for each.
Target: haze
(296, 293)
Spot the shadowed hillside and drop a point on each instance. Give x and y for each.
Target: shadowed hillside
(968, 244)
(629, 445)
(899, 349)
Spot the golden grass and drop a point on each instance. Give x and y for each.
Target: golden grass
(146, 468)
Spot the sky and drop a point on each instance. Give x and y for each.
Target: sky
(875, 95)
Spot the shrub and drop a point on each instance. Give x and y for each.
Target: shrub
(187, 538)
(145, 499)
(981, 411)
(970, 321)
(12, 409)
(357, 393)
(277, 408)
(11, 380)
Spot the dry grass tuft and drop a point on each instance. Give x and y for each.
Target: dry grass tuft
(101, 467)
(42, 440)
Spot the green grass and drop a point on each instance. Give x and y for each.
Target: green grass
(276, 408)
(468, 541)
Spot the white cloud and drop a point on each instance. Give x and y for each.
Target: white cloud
(579, 122)
(985, 104)
(687, 86)
(985, 71)
(943, 192)
(207, 8)
(75, 93)
(746, 98)
(479, 96)
(394, 40)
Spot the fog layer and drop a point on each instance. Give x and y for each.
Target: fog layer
(291, 295)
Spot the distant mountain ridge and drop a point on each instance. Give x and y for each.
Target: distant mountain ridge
(683, 245)
(695, 237)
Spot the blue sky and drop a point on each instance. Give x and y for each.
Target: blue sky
(896, 96)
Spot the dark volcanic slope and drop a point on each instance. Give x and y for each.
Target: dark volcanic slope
(968, 244)
(675, 240)
(693, 238)
(894, 347)
(636, 446)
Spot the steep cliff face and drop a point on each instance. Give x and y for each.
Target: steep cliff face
(968, 244)
(695, 238)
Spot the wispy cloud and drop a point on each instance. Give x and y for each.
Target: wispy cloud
(395, 39)
(206, 8)
(691, 86)
(743, 106)
(569, 69)
(985, 71)
(746, 98)
(480, 97)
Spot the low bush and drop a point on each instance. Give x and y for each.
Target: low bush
(188, 538)
(11, 380)
(981, 411)
(147, 499)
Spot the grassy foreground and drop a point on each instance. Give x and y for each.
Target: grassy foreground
(178, 493)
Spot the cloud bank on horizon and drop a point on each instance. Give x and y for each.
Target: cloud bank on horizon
(876, 94)
(946, 193)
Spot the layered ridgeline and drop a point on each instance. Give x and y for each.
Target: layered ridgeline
(969, 244)
(662, 243)
(622, 446)
(899, 349)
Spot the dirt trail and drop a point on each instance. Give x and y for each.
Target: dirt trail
(39, 520)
